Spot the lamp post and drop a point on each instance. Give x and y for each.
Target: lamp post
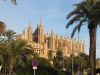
(79, 73)
(72, 60)
(72, 65)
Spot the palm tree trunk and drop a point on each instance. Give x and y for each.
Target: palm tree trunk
(11, 65)
(9, 68)
(92, 53)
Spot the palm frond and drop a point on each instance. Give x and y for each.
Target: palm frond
(88, 11)
(74, 30)
(10, 34)
(73, 20)
(80, 24)
(79, 13)
(99, 24)
(19, 45)
(78, 27)
(75, 11)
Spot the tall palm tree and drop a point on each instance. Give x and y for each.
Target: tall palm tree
(11, 51)
(2, 27)
(87, 13)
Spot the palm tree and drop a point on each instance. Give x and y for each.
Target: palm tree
(2, 27)
(87, 13)
(11, 51)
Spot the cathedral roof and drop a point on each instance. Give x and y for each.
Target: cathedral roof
(36, 31)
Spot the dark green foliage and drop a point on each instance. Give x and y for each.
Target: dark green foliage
(50, 55)
(49, 71)
(58, 60)
(43, 62)
(12, 51)
(57, 64)
(80, 62)
(59, 55)
(67, 63)
(44, 68)
(97, 70)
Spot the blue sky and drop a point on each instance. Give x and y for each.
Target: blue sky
(53, 13)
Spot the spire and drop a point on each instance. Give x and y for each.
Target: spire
(24, 30)
(37, 26)
(52, 33)
(41, 25)
(30, 24)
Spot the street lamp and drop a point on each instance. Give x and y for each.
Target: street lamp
(72, 60)
(79, 72)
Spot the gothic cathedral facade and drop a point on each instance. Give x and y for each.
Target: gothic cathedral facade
(43, 43)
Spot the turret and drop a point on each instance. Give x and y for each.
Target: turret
(41, 24)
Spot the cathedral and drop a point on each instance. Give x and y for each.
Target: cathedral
(42, 43)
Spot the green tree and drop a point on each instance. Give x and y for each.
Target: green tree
(50, 55)
(84, 60)
(11, 51)
(87, 13)
(43, 62)
(58, 60)
(45, 68)
(59, 55)
(67, 63)
(81, 62)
